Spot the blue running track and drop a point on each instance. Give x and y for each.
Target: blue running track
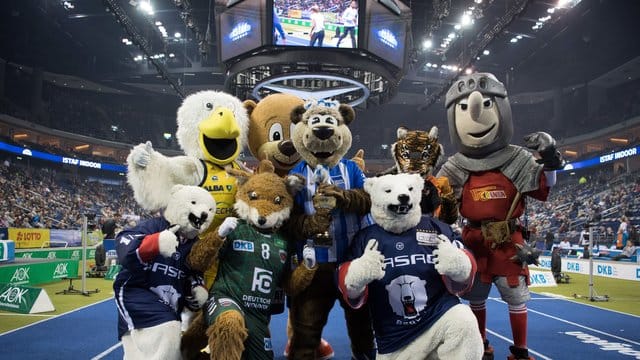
(558, 329)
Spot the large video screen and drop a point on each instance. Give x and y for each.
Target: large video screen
(387, 34)
(240, 29)
(318, 23)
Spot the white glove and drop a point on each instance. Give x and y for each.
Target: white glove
(451, 261)
(228, 225)
(309, 257)
(168, 241)
(199, 296)
(141, 154)
(365, 269)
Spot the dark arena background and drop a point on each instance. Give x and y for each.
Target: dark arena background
(82, 82)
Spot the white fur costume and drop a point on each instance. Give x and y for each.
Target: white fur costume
(155, 283)
(399, 263)
(212, 128)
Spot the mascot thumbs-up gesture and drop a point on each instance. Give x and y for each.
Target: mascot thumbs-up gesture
(409, 271)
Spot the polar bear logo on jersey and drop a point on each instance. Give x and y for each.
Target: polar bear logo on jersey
(167, 295)
(407, 295)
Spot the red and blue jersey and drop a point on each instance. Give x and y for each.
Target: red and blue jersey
(150, 289)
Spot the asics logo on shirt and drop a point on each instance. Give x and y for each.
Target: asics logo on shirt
(168, 270)
(406, 260)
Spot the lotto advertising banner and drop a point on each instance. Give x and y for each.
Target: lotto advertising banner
(29, 238)
(38, 273)
(24, 299)
(65, 238)
(611, 269)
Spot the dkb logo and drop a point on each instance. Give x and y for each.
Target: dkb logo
(605, 269)
(544, 263)
(14, 295)
(60, 271)
(21, 275)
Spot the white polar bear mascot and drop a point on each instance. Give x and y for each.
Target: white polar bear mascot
(410, 270)
(156, 283)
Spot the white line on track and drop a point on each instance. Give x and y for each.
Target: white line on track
(14, 314)
(540, 356)
(106, 352)
(55, 316)
(577, 325)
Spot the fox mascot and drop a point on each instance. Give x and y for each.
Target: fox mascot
(254, 261)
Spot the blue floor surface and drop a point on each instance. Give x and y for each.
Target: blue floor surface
(558, 329)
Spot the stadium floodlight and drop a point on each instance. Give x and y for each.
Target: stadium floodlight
(468, 71)
(486, 52)
(177, 35)
(466, 20)
(427, 44)
(158, 23)
(146, 7)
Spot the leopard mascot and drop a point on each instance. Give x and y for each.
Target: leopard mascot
(417, 151)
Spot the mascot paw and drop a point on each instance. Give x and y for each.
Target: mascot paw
(539, 141)
(309, 257)
(451, 261)
(168, 241)
(141, 155)
(526, 255)
(199, 296)
(365, 269)
(228, 225)
(330, 190)
(545, 145)
(442, 183)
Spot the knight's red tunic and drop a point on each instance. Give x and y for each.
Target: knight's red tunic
(487, 195)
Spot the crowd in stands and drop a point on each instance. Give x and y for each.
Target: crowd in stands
(599, 202)
(43, 197)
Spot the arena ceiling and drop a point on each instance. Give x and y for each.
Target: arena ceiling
(533, 46)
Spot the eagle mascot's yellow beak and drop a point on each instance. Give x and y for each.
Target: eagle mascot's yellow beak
(219, 136)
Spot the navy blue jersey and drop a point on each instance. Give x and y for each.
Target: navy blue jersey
(412, 295)
(151, 293)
